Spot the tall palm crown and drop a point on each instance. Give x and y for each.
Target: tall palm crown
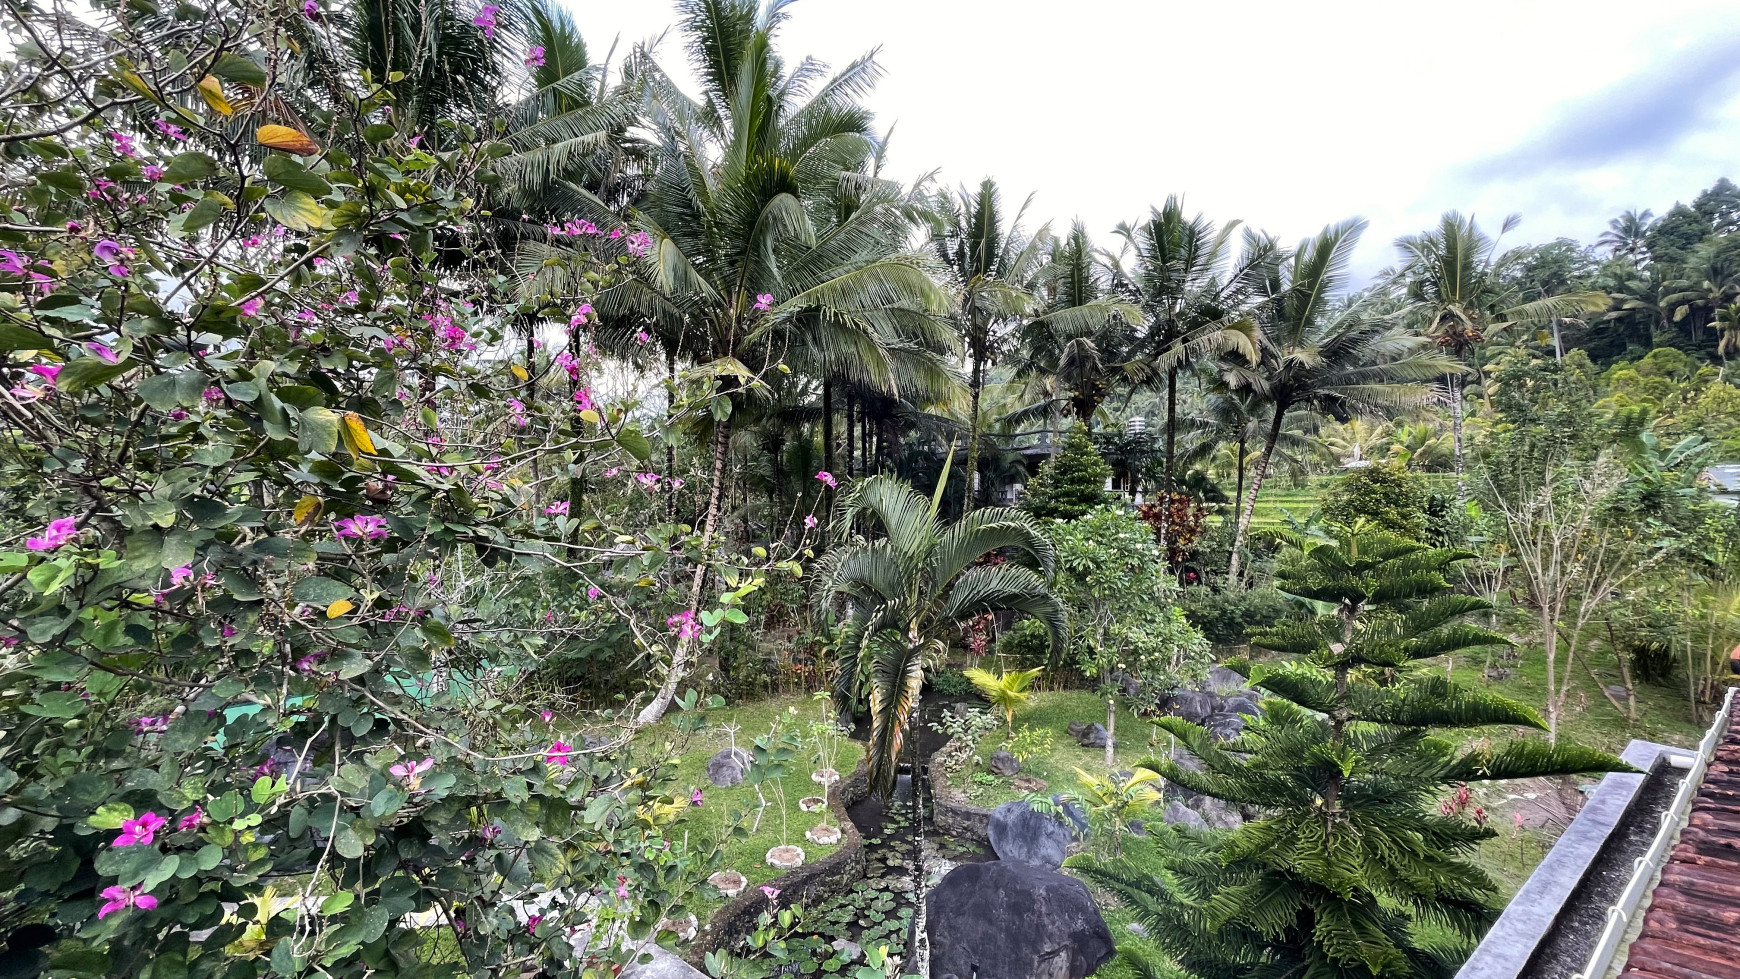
(1326, 354)
(1084, 338)
(1627, 235)
(1455, 280)
(900, 592)
(990, 263)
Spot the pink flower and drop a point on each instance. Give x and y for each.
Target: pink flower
(252, 306)
(57, 532)
(140, 831)
(622, 887)
(153, 172)
(179, 575)
(226, 630)
(592, 593)
(311, 9)
(772, 893)
(648, 480)
(103, 352)
(486, 19)
(489, 832)
(557, 753)
(696, 798)
(413, 770)
(583, 399)
(638, 244)
(642, 338)
(361, 526)
(123, 143)
(828, 479)
(612, 471)
(763, 302)
(531, 922)
(557, 508)
(152, 725)
(307, 663)
(580, 315)
(1517, 818)
(169, 129)
(535, 57)
(685, 624)
(810, 521)
(122, 898)
(48, 372)
(108, 250)
(191, 820)
(547, 715)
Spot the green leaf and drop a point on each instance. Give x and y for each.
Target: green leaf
(289, 173)
(379, 132)
(632, 440)
(335, 903)
(209, 209)
(346, 842)
(189, 167)
(236, 68)
(86, 373)
(209, 856)
(14, 337)
(317, 430)
(321, 592)
(297, 210)
(111, 815)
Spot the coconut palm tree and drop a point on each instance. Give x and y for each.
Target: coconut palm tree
(1627, 235)
(735, 258)
(1084, 339)
(990, 263)
(1320, 354)
(902, 591)
(1454, 277)
(1192, 303)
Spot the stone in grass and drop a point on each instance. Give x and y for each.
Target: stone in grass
(728, 767)
(1015, 921)
(1029, 785)
(812, 803)
(684, 928)
(1092, 736)
(824, 776)
(1075, 728)
(663, 965)
(1003, 763)
(823, 835)
(785, 857)
(1218, 814)
(1225, 727)
(730, 882)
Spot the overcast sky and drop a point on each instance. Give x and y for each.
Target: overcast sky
(1289, 115)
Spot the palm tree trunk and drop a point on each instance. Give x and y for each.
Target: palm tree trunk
(670, 444)
(828, 424)
(978, 381)
(1171, 449)
(1111, 726)
(1456, 432)
(686, 647)
(1239, 494)
(1250, 505)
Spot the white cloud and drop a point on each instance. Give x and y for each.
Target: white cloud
(1286, 115)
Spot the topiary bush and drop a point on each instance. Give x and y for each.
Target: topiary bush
(1072, 483)
(1386, 497)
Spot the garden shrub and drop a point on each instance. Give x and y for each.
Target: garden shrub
(1071, 483)
(1388, 497)
(1228, 616)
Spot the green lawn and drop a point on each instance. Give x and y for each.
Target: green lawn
(1052, 711)
(721, 806)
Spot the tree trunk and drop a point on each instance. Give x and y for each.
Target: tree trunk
(828, 424)
(1456, 433)
(1550, 642)
(1250, 505)
(1239, 493)
(670, 444)
(977, 382)
(1111, 727)
(851, 410)
(686, 647)
(1171, 451)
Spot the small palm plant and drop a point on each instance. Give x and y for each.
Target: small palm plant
(1008, 691)
(902, 591)
(1115, 802)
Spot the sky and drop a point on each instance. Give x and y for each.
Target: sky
(1287, 115)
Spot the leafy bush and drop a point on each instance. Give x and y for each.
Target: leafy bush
(1387, 497)
(1227, 616)
(954, 683)
(1031, 741)
(1186, 520)
(1028, 644)
(1071, 483)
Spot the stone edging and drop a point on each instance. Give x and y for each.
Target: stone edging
(808, 885)
(950, 810)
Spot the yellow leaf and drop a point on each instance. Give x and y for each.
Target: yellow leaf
(307, 509)
(287, 139)
(338, 608)
(212, 91)
(589, 416)
(519, 372)
(356, 435)
(132, 80)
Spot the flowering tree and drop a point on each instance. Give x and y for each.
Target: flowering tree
(257, 393)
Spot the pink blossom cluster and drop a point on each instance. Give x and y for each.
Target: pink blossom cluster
(572, 229)
(15, 264)
(685, 624)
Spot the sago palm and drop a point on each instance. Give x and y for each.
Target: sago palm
(903, 590)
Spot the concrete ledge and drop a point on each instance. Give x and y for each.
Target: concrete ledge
(809, 885)
(1511, 943)
(952, 814)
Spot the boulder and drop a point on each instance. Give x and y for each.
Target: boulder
(1241, 705)
(1014, 920)
(1075, 728)
(1020, 834)
(1029, 784)
(1225, 727)
(1077, 819)
(1003, 763)
(1178, 814)
(728, 767)
(1617, 691)
(1225, 681)
(1219, 815)
(1092, 736)
(1191, 705)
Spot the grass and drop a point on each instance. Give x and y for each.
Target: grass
(722, 807)
(1053, 711)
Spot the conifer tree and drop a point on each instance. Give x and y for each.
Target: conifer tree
(1072, 483)
(1354, 869)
